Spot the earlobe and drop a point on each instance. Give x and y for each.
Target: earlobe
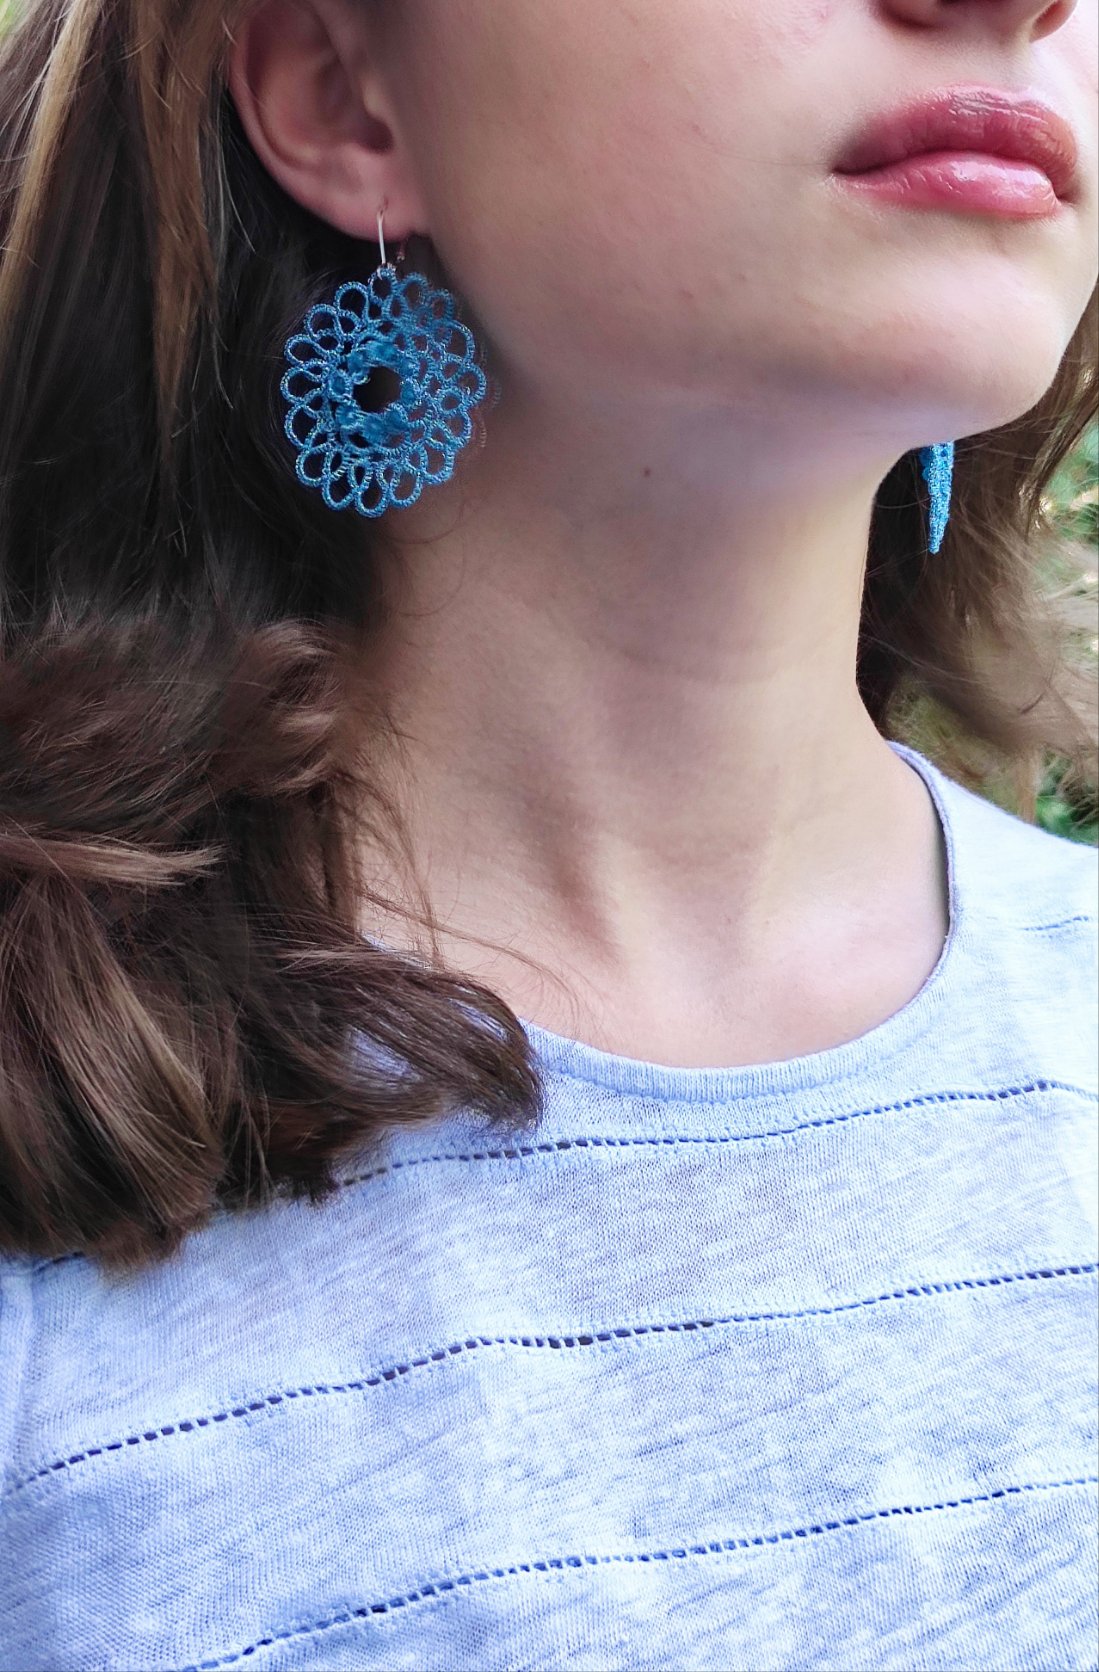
(294, 72)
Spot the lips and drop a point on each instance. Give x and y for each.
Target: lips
(1021, 129)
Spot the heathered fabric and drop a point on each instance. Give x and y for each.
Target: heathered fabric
(782, 1366)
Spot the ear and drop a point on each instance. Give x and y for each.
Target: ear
(311, 101)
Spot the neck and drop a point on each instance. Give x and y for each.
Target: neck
(624, 674)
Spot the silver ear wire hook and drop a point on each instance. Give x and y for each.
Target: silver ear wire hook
(383, 206)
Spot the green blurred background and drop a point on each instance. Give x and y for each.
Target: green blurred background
(1070, 577)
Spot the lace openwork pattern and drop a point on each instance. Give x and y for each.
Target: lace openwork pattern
(375, 459)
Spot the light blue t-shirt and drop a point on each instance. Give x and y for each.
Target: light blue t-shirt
(788, 1365)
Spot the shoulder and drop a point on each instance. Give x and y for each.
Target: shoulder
(1025, 906)
(1021, 875)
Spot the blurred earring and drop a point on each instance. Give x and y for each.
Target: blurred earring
(937, 465)
(403, 327)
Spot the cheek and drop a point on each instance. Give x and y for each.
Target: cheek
(588, 167)
(629, 194)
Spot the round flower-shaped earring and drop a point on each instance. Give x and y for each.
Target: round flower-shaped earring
(374, 459)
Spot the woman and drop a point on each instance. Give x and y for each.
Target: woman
(536, 1129)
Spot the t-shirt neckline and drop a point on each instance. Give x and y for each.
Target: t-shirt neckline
(576, 1059)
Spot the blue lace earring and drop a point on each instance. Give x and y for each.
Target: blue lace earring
(403, 326)
(937, 466)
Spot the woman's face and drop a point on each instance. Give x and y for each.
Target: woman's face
(637, 197)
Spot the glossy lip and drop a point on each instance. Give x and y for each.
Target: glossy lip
(1020, 127)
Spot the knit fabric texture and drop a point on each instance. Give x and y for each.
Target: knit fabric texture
(790, 1365)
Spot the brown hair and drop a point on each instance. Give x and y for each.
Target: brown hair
(183, 783)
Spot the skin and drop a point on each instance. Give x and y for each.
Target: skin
(625, 663)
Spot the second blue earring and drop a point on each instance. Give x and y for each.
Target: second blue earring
(937, 466)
